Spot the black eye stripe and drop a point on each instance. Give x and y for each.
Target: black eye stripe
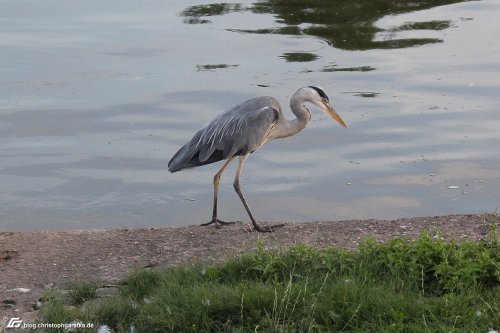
(320, 92)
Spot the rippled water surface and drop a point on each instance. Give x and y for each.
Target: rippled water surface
(96, 96)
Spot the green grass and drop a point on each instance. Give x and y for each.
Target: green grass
(422, 285)
(81, 293)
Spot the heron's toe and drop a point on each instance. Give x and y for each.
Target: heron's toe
(218, 223)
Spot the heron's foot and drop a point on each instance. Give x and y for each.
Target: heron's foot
(218, 223)
(267, 228)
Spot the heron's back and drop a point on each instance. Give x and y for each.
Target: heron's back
(237, 131)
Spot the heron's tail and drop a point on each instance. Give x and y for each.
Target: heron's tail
(189, 157)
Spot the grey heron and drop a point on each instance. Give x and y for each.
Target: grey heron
(242, 129)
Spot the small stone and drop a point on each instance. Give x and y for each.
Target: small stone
(21, 290)
(104, 329)
(37, 305)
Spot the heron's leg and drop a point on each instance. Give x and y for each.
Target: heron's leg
(237, 188)
(217, 177)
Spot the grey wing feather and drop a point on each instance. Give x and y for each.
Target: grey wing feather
(237, 131)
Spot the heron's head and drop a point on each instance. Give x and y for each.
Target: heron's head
(317, 96)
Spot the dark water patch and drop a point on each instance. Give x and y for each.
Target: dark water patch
(366, 94)
(334, 68)
(213, 67)
(299, 56)
(289, 30)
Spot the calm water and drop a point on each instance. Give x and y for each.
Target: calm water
(96, 96)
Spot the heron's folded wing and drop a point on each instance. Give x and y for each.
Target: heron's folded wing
(235, 133)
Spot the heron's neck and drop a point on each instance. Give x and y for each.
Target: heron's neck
(287, 127)
(301, 112)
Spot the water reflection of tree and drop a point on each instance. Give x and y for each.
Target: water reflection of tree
(346, 24)
(195, 14)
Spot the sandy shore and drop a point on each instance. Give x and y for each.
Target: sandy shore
(34, 261)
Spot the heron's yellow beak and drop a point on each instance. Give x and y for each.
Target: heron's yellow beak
(332, 113)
